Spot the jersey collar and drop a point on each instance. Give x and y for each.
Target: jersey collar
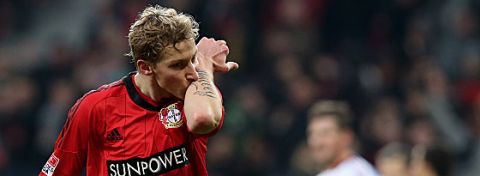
(137, 97)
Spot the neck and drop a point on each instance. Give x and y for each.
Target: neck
(149, 87)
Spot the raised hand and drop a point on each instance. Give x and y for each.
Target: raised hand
(213, 55)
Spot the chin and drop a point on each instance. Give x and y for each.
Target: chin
(180, 96)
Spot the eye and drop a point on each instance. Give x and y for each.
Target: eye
(194, 59)
(179, 65)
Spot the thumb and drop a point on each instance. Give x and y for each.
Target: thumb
(229, 66)
(232, 66)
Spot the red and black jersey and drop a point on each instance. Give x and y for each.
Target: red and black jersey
(116, 130)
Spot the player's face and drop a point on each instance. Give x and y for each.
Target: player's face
(176, 70)
(323, 137)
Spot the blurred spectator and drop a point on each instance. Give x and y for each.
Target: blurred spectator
(302, 161)
(52, 114)
(409, 68)
(381, 125)
(222, 154)
(430, 161)
(330, 138)
(420, 132)
(4, 158)
(393, 160)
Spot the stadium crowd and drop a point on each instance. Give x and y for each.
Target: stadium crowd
(410, 69)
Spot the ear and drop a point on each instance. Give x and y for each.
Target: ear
(144, 67)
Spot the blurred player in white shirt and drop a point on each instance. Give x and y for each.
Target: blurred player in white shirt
(330, 138)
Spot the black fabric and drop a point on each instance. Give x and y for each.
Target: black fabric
(136, 97)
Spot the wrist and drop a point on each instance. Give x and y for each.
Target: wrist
(204, 63)
(205, 68)
(205, 74)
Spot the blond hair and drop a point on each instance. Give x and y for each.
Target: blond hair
(156, 28)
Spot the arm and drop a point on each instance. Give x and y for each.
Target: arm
(203, 102)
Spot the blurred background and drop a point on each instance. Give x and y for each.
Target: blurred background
(409, 69)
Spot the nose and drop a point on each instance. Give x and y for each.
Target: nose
(192, 74)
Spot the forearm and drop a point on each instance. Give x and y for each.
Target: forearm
(203, 104)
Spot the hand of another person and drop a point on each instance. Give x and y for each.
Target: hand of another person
(215, 52)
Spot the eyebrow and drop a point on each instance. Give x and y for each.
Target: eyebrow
(183, 59)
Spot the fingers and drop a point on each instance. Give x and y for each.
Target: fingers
(229, 66)
(203, 39)
(217, 50)
(215, 46)
(225, 49)
(222, 42)
(232, 66)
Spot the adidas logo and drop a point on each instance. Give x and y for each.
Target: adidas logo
(114, 135)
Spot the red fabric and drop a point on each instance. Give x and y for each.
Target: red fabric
(106, 132)
(145, 97)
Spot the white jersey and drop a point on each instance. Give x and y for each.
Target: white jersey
(353, 166)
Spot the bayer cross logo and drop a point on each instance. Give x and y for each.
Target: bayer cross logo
(174, 116)
(171, 116)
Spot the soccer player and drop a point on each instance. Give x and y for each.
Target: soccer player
(330, 138)
(156, 120)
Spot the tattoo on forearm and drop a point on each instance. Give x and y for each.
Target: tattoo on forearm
(203, 87)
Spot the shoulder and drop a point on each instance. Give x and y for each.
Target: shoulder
(359, 165)
(105, 91)
(353, 166)
(84, 114)
(90, 99)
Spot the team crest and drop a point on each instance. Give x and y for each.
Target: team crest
(50, 166)
(171, 116)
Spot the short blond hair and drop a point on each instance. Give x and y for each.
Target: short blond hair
(339, 110)
(156, 28)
